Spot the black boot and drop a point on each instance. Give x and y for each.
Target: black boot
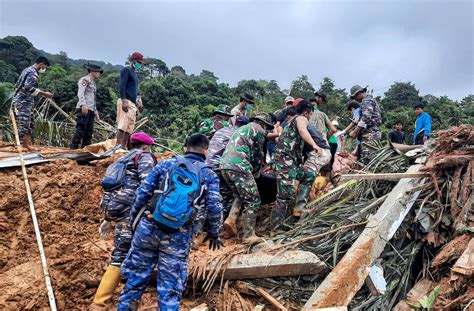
(277, 217)
(249, 221)
(301, 200)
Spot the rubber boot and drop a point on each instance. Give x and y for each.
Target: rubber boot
(301, 199)
(27, 142)
(230, 224)
(249, 221)
(107, 286)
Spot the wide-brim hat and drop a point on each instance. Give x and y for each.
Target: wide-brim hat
(263, 117)
(223, 109)
(321, 94)
(247, 97)
(94, 68)
(356, 89)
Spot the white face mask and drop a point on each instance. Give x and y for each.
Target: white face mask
(42, 70)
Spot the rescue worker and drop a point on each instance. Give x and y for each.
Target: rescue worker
(116, 206)
(318, 117)
(128, 103)
(422, 125)
(26, 89)
(154, 245)
(367, 130)
(281, 113)
(217, 146)
(287, 159)
(354, 109)
(245, 104)
(220, 119)
(241, 163)
(86, 108)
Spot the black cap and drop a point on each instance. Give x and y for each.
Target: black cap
(94, 68)
(247, 97)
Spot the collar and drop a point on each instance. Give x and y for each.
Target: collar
(195, 156)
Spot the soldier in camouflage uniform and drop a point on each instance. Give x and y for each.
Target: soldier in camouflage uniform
(367, 130)
(217, 147)
(241, 163)
(153, 246)
(116, 205)
(220, 119)
(86, 108)
(26, 89)
(288, 158)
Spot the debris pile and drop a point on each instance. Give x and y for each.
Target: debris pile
(416, 234)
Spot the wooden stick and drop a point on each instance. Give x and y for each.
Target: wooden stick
(320, 235)
(388, 176)
(47, 279)
(271, 299)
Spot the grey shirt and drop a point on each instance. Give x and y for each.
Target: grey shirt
(86, 92)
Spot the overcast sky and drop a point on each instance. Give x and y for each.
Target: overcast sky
(429, 43)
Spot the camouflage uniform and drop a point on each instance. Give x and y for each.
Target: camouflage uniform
(168, 251)
(116, 204)
(26, 89)
(210, 125)
(286, 162)
(242, 162)
(370, 120)
(217, 147)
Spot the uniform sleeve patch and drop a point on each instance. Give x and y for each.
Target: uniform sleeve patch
(84, 82)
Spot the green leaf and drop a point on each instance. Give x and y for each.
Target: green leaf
(429, 300)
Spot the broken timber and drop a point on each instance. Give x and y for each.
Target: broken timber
(263, 265)
(465, 263)
(388, 176)
(345, 280)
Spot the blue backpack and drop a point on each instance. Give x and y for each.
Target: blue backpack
(116, 172)
(180, 190)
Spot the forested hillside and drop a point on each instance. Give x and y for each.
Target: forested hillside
(174, 100)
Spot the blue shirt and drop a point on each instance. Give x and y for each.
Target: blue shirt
(423, 122)
(128, 87)
(356, 114)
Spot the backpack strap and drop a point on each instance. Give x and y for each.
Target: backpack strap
(139, 155)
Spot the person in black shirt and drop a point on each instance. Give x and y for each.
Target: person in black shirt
(396, 135)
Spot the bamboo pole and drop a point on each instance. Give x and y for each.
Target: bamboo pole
(44, 264)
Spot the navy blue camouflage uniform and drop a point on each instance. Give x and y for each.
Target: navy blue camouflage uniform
(152, 246)
(116, 204)
(216, 149)
(369, 122)
(26, 89)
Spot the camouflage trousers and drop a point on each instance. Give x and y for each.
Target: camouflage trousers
(245, 186)
(367, 147)
(152, 247)
(122, 241)
(288, 172)
(25, 118)
(314, 163)
(226, 194)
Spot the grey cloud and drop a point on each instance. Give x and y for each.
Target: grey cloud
(375, 42)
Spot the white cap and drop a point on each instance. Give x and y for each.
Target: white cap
(335, 123)
(289, 99)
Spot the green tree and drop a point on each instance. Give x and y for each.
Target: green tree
(7, 72)
(301, 87)
(402, 94)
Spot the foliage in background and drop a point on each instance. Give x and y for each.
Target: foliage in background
(176, 101)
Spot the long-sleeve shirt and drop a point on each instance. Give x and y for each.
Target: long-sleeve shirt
(370, 116)
(209, 205)
(26, 87)
(86, 92)
(128, 87)
(423, 122)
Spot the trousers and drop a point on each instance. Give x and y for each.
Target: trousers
(84, 129)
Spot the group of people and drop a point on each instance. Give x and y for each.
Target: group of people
(158, 207)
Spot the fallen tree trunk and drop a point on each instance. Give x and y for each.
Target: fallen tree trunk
(347, 277)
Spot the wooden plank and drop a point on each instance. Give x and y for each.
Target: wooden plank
(263, 265)
(391, 176)
(421, 289)
(345, 280)
(465, 263)
(271, 299)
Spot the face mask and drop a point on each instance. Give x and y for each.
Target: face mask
(248, 107)
(42, 70)
(137, 66)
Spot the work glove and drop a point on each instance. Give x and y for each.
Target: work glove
(214, 242)
(105, 227)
